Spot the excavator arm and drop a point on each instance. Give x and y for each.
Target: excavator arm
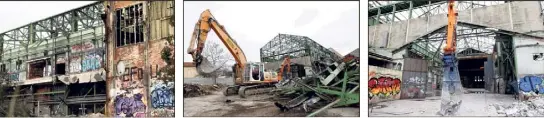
(451, 83)
(451, 34)
(202, 27)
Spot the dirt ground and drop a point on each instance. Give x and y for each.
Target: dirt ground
(262, 105)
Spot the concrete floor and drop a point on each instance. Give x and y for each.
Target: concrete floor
(473, 105)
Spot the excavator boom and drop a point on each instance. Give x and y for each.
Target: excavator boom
(206, 23)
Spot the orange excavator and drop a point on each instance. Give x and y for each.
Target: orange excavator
(249, 78)
(451, 83)
(285, 69)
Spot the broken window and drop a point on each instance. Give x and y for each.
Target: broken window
(18, 64)
(129, 25)
(60, 66)
(39, 68)
(3, 68)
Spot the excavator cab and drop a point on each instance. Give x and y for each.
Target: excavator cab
(255, 72)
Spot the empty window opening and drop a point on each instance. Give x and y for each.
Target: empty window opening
(39, 68)
(36, 69)
(60, 68)
(3, 68)
(538, 56)
(18, 64)
(129, 25)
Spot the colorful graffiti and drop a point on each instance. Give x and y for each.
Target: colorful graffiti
(384, 86)
(75, 64)
(82, 47)
(128, 106)
(92, 61)
(14, 76)
(532, 84)
(413, 88)
(162, 95)
(129, 94)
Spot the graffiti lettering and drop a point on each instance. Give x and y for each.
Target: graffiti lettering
(82, 47)
(384, 86)
(91, 62)
(531, 84)
(75, 64)
(14, 76)
(413, 88)
(415, 80)
(129, 95)
(162, 95)
(129, 105)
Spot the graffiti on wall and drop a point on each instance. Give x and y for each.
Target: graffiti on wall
(75, 64)
(14, 76)
(162, 95)
(383, 84)
(162, 98)
(91, 61)
(531, 85)
(414, 87)
(82, 47)
(129, 95)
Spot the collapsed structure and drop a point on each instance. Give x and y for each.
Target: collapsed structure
(87, 60)
(301, 50)
(502, 55)
(317, 78)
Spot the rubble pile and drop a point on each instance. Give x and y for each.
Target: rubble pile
(532, 107)
(194, 90)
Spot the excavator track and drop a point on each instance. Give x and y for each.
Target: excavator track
(245, 91)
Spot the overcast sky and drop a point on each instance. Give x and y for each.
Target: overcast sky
(253, 24)
(14, 14)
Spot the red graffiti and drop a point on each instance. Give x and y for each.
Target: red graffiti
(82, 47)
(384, 85)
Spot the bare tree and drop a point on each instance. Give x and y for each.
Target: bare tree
(217, 56)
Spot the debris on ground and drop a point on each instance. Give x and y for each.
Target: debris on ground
(95, 115)
(194, 90)
(532, 107)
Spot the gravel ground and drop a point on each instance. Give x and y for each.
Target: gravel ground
(473, 105)
(255, 106)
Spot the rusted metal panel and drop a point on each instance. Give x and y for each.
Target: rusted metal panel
(417, 65)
